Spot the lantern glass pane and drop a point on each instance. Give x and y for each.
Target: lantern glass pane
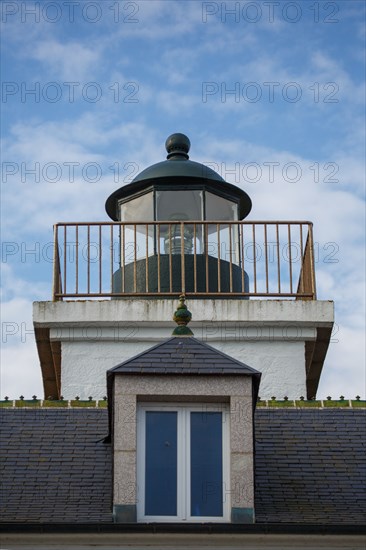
(222, 238)
(138, 209)
(220, 209)
(137, 241)
(180, 205)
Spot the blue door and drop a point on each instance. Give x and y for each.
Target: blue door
(181, 464)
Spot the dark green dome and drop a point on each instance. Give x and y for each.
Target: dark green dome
(176, 171)
(177, 163)
(177, 167)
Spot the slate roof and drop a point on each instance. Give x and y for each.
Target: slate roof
(53, 469)
(310, 466)
(183, 355)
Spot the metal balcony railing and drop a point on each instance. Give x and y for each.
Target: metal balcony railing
(227, 259)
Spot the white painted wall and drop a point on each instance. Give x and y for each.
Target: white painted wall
(84, 365)
(268, 335)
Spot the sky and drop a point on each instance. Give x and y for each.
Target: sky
(91, 90)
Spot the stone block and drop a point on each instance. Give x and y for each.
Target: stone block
(242, 515)
(124, 513)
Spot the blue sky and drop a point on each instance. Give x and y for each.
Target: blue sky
(248, 82)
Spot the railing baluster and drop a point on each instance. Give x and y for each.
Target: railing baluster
(56, 266)
(289, 255)
(241, 237)
(170, 259)
(147, 258)
(206, 256)
(254, 260)
(123, 263)
(88, 256)
(231, 258)
(182, 257)
(194, 257)
(266, 255)
(158, 237)
(77, 260)
(278, 259)
(218, 258)
(65, 259)
(301, 289)
(312, 266)
(111, 256)
(100, 259)
(134, 258)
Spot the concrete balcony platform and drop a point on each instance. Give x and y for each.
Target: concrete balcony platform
(286, 340)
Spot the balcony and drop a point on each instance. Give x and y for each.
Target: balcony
(242, 260)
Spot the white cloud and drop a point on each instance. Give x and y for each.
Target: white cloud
(70, 62)
(344, 371)
(20, 369)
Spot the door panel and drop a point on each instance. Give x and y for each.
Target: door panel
(206, 464)
(161, 464)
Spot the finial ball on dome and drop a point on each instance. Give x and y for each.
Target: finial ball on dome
(177, 144)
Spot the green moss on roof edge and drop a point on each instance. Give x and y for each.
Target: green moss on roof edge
(102, 404)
